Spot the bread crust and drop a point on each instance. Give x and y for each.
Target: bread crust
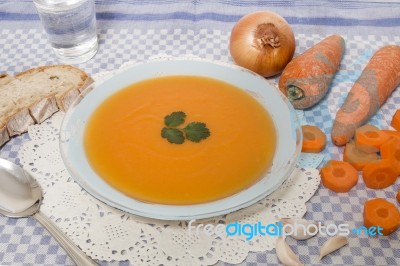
(17, 121)
(65, 100)
(43, 109)
(4, 79)
(4, 137)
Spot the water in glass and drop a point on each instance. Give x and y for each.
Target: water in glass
(71, 28)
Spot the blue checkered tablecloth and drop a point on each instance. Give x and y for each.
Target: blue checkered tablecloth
(137, 30)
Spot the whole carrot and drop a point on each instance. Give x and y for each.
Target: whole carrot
(377, 81)
(306, 79)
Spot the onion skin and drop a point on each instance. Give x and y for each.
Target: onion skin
(263, 42)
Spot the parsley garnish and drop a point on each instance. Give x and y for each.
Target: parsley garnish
(194, 131)
(173, 135)
(175, 119)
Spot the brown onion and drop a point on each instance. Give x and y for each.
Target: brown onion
(263, 42)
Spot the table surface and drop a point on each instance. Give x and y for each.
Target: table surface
(137, 30)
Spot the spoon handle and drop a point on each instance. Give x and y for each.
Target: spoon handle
(76, 254)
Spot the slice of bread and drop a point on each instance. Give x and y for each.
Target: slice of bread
(34, 95)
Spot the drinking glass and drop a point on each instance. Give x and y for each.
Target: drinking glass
(71, 28)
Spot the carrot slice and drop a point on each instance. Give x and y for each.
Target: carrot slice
(396, 120)
(367, 127)
(380, 212)
(377, 81)
(391, 150)
(380, 174)
(369, 138)
(314, 140)
(392, 133)
(358, 158)
(339, 176)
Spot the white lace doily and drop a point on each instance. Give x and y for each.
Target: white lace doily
(105, 233)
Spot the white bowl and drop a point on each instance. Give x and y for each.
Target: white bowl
(288, 129)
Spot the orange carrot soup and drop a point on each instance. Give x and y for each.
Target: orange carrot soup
(180, 140)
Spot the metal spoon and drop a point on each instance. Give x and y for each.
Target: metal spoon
(21, 196)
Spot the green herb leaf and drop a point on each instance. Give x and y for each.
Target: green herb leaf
(173, 135)
(196, 131)
(174, 119)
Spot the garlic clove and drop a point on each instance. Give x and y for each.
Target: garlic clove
(301, 229)
(332, 244)
(285, 253)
